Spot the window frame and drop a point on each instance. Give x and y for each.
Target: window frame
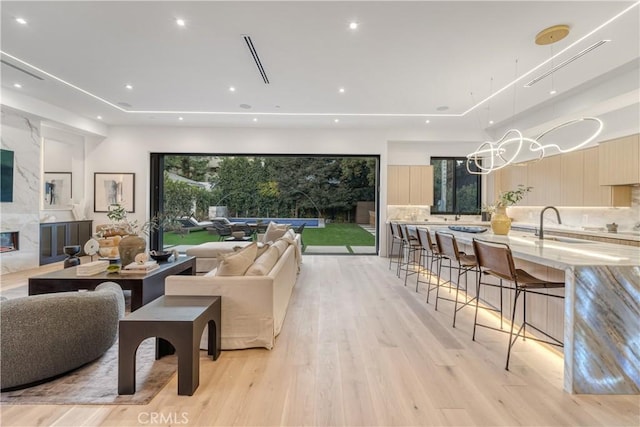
(455, 189)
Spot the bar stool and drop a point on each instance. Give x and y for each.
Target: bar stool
(430, 254)
(495, 259)
(411, 251)
(395, 239)
(448, 248)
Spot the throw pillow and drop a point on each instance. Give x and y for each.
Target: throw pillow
(263, 265)
(274, 232)
(290, 234)
(237, 263)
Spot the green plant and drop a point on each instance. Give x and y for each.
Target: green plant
(118, 215)
(511, 197)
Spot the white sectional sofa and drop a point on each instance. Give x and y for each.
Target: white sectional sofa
(254, 304)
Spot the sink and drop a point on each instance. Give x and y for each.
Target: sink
(628, 233)
(560, 239)
(567, 240)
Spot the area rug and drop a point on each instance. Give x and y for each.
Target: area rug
(97, 382)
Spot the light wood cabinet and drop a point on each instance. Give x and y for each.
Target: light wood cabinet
(595, 194)
(410, 185)
(545, 178)
(572, 179)
(619, 161)
(512, 176)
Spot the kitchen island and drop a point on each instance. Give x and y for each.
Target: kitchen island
(601, 325)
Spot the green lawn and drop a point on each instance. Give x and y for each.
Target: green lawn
(338, 234)
(333, 234)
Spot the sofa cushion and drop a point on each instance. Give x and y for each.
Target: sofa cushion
(214, 249)
(263, 265)
(262, 248)
(281, 245)
(274, 232)
(236, 264)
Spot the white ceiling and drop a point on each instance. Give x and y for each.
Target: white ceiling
(405, 60)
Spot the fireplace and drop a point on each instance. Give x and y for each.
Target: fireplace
(9, 241)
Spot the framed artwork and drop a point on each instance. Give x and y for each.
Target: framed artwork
(111, 188)
(58, 191)
(6, 177)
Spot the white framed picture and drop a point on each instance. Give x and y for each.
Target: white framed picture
(113, 188)
(58, 191)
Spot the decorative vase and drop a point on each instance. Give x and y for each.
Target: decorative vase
(129, 247)
(500, 222)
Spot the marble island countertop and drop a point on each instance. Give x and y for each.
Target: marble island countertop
(557, 252)
(591, 231)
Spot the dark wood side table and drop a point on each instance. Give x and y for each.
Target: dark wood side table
(144, 287)
(177, 322)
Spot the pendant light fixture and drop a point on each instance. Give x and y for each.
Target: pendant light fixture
(495, 155)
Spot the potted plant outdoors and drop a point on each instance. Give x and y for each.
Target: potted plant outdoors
(500, 222)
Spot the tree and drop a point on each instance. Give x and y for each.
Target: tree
(195, 168)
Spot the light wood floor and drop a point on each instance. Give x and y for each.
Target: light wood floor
(358, 348)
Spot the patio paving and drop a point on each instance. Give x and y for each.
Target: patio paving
(326, 250)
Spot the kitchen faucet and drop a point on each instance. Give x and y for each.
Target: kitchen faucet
(541, 232)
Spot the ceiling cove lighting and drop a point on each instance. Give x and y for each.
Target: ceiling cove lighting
(21, 21)
(323, 114)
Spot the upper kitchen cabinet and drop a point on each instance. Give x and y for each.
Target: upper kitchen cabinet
(410, 185)
(511, 177)
(619, 161)
(593, 193)
(545, 177)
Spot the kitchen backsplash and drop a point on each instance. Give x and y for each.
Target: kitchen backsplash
(580, 217)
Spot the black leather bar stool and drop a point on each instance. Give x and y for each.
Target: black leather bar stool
(495, 259)
(430, 255)
(448, 248)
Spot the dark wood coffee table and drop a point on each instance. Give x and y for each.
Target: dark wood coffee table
(144, 287)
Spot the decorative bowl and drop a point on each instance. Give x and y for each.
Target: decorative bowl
(160, 255)
(237, 234)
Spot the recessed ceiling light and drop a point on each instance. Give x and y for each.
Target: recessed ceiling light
(232, 89)
(336, 120)
(490, 122)
(353, 25)
(21, 21)
(99, 117)
(255, 119)
(129, 87)
(341, 90)
(427, 121)
(180, 22)
(552, 92)
(180, 118)
(17, 85)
